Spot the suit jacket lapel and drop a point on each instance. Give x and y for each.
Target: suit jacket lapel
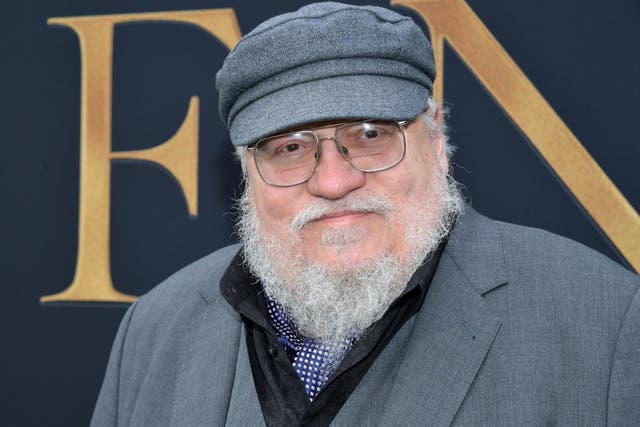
(234, 403)
(244, 406)
(453, 331)
(206, 355)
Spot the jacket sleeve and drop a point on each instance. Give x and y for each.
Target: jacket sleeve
(624, 383)
(106, 410)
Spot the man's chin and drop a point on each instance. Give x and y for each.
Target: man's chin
(345, 259)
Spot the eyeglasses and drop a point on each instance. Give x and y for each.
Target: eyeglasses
(369, 146)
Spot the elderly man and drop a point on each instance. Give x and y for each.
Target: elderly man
(365, 292)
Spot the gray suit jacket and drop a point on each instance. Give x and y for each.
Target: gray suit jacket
(520, 327)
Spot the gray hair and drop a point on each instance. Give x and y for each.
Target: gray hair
(432, 126)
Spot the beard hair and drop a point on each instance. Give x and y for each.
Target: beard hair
(335, 305)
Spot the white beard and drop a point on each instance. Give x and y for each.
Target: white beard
(334, 305)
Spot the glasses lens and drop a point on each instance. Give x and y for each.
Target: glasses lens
(372, 146)
(287, 159)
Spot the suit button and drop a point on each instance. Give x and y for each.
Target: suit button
(271, 350)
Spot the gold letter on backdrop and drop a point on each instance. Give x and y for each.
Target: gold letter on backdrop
(178, 155)
(467, 35)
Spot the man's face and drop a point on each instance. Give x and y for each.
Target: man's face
(347, 236)
(337, 250)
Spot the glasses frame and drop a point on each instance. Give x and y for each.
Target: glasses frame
(341, 148)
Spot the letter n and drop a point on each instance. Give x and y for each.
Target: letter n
(456, 22)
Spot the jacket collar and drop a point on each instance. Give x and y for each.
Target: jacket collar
(455, 329)
(450, 337)
(475, 247)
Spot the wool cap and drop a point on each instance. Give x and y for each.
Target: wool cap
(325, 61)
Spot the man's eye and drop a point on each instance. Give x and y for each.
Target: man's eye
(288, 148)
(370, 133)
(292, 149)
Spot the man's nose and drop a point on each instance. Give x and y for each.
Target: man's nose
(334, 177)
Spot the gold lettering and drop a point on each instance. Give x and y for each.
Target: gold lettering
(178, 156)
(483, 54)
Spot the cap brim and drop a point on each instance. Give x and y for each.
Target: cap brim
(335, 98)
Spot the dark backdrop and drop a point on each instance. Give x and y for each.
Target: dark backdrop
(582, 55)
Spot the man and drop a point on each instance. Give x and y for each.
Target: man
(365, 292)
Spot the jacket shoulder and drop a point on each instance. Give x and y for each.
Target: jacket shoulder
(179, 331)
(201, 277)
(568, 317)
(532, 251)
(185, 295)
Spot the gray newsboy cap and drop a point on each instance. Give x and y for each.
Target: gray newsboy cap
(325, 61)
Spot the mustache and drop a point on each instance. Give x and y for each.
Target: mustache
(369, 203)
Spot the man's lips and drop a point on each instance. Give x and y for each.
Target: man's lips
(341, 217)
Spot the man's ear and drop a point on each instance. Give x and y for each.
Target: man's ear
(437, 142)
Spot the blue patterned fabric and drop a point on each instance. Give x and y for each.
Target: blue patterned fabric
(313, 362)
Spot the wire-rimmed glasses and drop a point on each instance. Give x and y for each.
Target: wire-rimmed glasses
(291, 158)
